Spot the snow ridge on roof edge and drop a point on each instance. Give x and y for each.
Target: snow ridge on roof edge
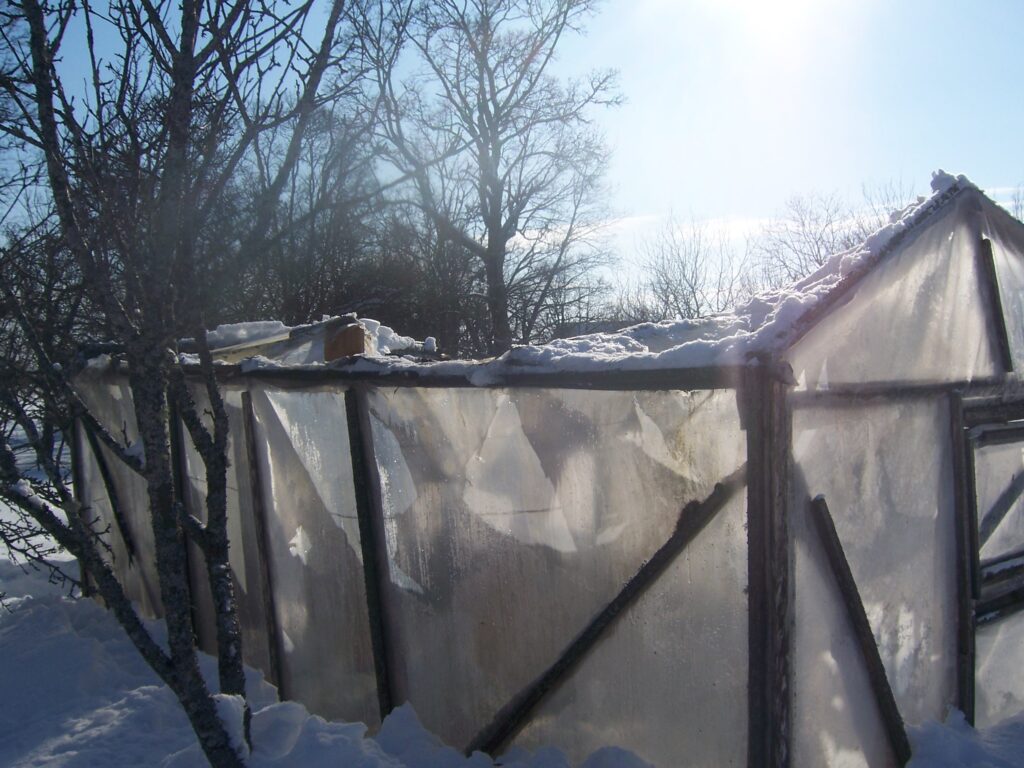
(764, 325)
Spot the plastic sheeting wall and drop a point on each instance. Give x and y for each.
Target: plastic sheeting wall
(885, 470)
(243, 553)
(110, 402)
(314, 552)
(512, 517)
(917, 316)
(999, 670)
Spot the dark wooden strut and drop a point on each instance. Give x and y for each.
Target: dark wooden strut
(370, 510)
(997, 409)
(1001, 600)
(275, 644)
(854, 394)
(992, 519)
(179, 471)
(347, 374)
(994, 300)
(112, 495)
(891, 718)
(692, 520)
(965, 576)
(1001, 435)
(768, 426)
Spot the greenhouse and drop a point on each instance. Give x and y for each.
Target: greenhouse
(773, 537)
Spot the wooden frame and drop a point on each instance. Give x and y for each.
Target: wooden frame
(769, 553)
(370, 510)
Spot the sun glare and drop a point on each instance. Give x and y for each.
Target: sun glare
(775, 28)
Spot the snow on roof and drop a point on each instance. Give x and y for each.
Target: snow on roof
(767, 323)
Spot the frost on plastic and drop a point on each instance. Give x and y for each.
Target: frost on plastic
(892, 503)
(513, 516)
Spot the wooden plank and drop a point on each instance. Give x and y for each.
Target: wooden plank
(853, 395)
(964, 559)
(1002, 567)
(769, 448)
(275, 639)
(891, 718)
(113, 497)
(370, 510)
(1001, 340)
(693, 518)
(359, 371)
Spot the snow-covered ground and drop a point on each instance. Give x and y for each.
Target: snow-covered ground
(74, 693)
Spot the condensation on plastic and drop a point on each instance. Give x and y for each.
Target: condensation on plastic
(109, 400)
(313, 547)
(243, 552)
(918, 316)
(1007, 237)
(999, 670)
(669, 680)
(998, 471)
(885, 470)
(513, 516)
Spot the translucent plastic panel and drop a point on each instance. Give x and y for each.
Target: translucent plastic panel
(1007, 237)
(243, 552)
(668, 681)
(512, 517)
(999, 670)
(313, 546)
(110, 402)
(917, 316)
(835, 719)
(885, 470)
(999, 485)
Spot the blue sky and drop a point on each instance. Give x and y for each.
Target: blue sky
(733, 106)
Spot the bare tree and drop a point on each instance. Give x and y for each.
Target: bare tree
(134, 167)
(687, 271)
(499, 151)
(813, 227)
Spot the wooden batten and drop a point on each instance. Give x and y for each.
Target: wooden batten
(275, 639)
(768, 426)
(965, 576)
(887, 708)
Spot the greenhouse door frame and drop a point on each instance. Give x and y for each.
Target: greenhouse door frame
(988, 589)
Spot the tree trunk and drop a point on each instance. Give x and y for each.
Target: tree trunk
(497, 298)
(149, 378)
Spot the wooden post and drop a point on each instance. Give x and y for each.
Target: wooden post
(370, 509)
(891, 718)
(965, 575)
(769, 448)
(259, 517)
(994, 300)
